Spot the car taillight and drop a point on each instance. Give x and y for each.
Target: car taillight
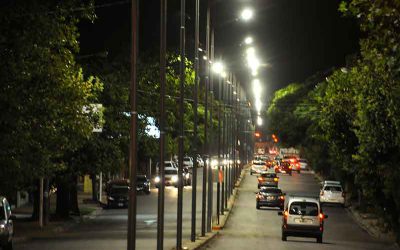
(260, 179)
(321, 217)
(276, 179)
(291, 160)
(281, 197)
(290, 167)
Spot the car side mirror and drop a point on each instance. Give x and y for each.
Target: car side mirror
(280, 213)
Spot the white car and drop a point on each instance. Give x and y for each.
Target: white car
(303, 164)
(6, 225)
(258, 167)
(188, 162)
(332, 192)
(303, 217)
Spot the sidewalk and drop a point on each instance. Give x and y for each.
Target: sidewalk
(26, 229)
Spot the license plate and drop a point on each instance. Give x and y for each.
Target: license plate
(270, 198)
(120, 204)
(305, 221)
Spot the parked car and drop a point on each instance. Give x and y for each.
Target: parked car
(143, 184)
(6, 225)
(270, 197)
(303, 217)
(200, 162)
(267, 179)
(332, 192)
(117, 193)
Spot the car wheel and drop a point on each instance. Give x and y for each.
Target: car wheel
(284, 237)
(258, 206)
(319, 239)
(9, 246)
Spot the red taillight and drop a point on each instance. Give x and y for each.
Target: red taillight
(260, 178)
(290, 167)
(281, 197)
(291, 160)
(276, 179)
(321, 217)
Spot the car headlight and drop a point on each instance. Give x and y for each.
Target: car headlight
(214, 163)
(110, 198)
(146, 183)
(174, 178)
(157, 179)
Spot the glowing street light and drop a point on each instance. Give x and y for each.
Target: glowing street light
(258, 105)
(223, 74)
(248, 40)
(259, 121)
(218, 67)
(247, 14)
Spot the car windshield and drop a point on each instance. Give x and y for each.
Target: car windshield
(171, 171)
(333, 188)
(304, 208)
(268, 175)
(271, 190)
(2, 213)
(119, 190)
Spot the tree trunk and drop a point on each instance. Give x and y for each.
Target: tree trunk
(46, 202)
(63, 198)
(94, 187)
(74, 207)
(35, 212)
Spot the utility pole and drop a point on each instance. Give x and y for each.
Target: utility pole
(181, 128)
(210, 151)
(161, 189)
(133, 128)
(195, 101)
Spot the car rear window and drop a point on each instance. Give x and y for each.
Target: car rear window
(271, 190)
(333, 188)
(268, 175)
(304, 208)
(171, 171)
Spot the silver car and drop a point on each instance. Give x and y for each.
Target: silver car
(6, 225)
(303, 217)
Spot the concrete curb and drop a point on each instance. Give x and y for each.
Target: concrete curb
(201, 241)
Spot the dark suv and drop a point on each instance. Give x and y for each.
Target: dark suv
(6, 225)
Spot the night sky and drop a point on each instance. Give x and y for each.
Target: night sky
(294, 38)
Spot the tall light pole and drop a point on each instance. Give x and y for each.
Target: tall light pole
(181, 129)
(195, 99)
(133, 128)
(163, 52)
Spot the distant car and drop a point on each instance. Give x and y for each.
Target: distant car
(267, 179)
(188, 162)
(117, 193)
(303, 217)
(303, 164)
(6, 225)
(143, 184)
(257, 167)
(171, 177)
(332, 192)
(284, 167)
(200, 162)
(294, 162)
(270, 197)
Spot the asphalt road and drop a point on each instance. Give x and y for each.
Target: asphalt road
(249, 228)
(109, 229)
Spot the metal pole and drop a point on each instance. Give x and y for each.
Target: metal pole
(133, 136)
(219, 150)
(161, 170)
(207, 69)
(41, 202)
(211, 144)
(222, 106)
(181, 136)
(195, 139)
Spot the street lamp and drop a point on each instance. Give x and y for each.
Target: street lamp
(248, 40)
(218, 68)
(246, 14)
